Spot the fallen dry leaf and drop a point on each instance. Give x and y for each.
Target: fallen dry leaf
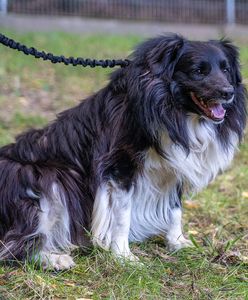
(245, 194)
(164, 255)
(193, 232)
(191, 204)
(69, 283)
(231, 258)
(23, 101)
(169, 271)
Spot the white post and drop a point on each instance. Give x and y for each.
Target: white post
(3, 7)
(230, 12)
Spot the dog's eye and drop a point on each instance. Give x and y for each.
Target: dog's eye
(224, 66)
(225, 70)
(202, 69)
(198, 71)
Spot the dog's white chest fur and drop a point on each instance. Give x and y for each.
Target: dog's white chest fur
(156, 189)
(206, 158)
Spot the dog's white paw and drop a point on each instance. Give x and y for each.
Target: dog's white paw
(179, 243)
(131, 257)
(57, 262)
(127, 257)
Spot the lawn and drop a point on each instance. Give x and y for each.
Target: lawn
(31, 93)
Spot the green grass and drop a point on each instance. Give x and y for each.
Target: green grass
(31, 93)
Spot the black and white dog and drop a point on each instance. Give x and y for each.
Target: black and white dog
(113, 169)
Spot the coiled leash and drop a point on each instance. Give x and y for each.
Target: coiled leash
(107, 63)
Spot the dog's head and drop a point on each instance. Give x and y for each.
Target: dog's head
(206, 77)
(203, 76)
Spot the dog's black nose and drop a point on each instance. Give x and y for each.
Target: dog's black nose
(227, 93)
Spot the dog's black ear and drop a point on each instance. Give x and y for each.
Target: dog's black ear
(232, 54)
(164, 56)
(160, 54)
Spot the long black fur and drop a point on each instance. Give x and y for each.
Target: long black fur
(106, 136)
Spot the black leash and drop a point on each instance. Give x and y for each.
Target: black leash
(107, 63)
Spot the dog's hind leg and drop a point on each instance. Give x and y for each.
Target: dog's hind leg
(19, 213)
(111, 220)
(55, 261)
(54, 225)
(40, 230)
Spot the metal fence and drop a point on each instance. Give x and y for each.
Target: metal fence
(183, 11)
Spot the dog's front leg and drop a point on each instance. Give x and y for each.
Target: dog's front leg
(111, 219)
(120, 232)
(174, 236)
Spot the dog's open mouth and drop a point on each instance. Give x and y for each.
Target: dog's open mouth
(213, 109)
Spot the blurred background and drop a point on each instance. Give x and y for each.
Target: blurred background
(221, 16)
(184, 11)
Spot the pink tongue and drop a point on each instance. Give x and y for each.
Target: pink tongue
(218, 111)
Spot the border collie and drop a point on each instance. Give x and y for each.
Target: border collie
(112, 169)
